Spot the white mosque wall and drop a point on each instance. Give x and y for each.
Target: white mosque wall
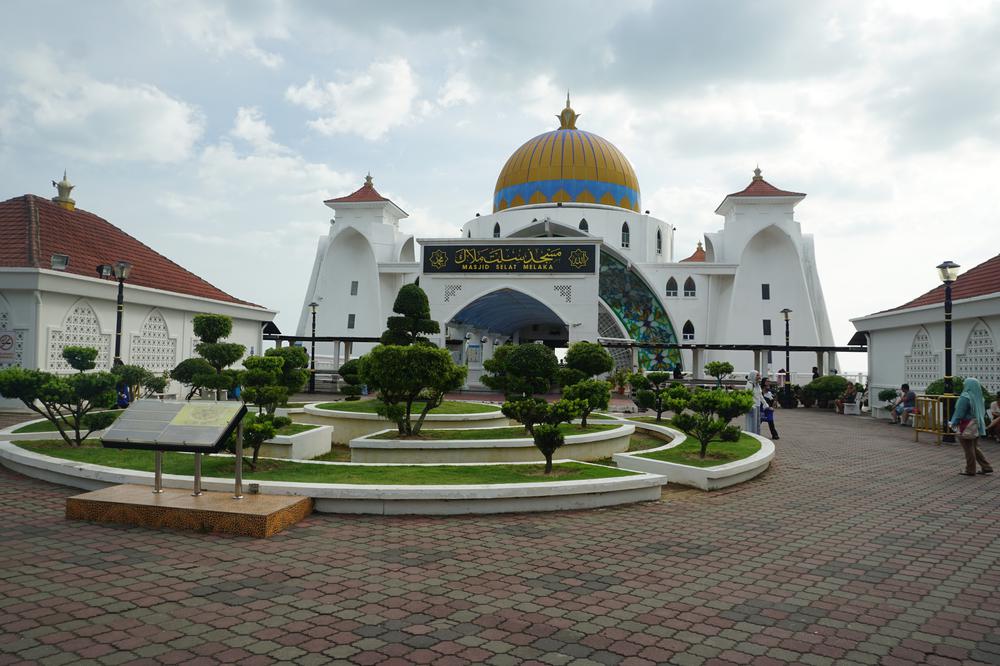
(908, 345)
(51, 310)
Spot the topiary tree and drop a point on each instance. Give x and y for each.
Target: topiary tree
(257, 429)
(191, 372)
(294, 372)
(720, 370)
(656, 391)
(526, 411)
(826, 389)
(548, 438)
(403, 375)
(141, 382)
(710, 413)
(569, 376)
(210, 328)
(349, 373)
(67, 402)
(521, 370)
(592, 393)
(261, 383)
(412, 321)
(80, 358)
(542, 420)
(589, 358)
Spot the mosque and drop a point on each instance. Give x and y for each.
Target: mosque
(569, 254)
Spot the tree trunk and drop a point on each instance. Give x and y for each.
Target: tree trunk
(583, 421)
(704, 450)
(548, 463)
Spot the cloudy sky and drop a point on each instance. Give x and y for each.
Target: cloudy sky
(213, 131)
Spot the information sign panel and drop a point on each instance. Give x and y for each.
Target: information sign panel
(174, 425)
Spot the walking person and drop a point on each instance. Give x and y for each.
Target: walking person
(767, 413)
(969, 422)
(753, 416)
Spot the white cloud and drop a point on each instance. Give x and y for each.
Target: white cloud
(251, 127)
(368, 104)
(223, 30)
(66, 110)
(457, 90)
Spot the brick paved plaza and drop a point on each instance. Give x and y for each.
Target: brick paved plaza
(857, 546)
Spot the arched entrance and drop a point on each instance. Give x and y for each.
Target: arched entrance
(496, 318)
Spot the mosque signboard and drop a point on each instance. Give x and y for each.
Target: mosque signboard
(505, 258)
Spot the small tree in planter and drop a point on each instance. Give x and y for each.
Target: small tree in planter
(526, 411)
(619, 378)
(212, 328)
(544, 419)
(720, 370)
(67, 402)
(412, 321)
(592, 394)
(294, 372)
(655, 391)
(589, 358)
(521, 370)
(191, 372)
(141, 382)
(403, 375)
(261, 383)
(352, 380)
(710, 413)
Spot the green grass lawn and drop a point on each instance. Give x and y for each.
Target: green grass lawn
(46, 426)
(652, 419)
(446, 407)
(719, 453)
(512, 432)
(294, 405)
(602, 415)
(295, 428)
(304, 472)
(639, 441)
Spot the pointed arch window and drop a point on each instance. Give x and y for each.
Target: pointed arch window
(689, 289)
(496, 230)
(671, 287)
(659, 242)
(625, 234)
(584, 226)
(687, 333)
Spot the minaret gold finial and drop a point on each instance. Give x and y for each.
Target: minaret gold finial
(756, 174)
(64, 187)
(567, 118)
(368, 180)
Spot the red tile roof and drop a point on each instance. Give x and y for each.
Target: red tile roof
(699, 254)
(978, 281)
(759, 187)
(32, 229)
(366, 193)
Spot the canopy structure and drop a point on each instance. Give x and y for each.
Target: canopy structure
(506, 311)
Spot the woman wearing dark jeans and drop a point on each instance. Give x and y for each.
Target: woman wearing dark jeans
(767, 414)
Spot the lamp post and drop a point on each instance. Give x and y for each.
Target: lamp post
(121, 271)
(948, 272)
(788, 365)
(312, 350)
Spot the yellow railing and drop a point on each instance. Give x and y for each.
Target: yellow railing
(928, 417)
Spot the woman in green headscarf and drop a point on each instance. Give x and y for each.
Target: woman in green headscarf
(969, 422)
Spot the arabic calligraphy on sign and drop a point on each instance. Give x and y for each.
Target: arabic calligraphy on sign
(510, 258)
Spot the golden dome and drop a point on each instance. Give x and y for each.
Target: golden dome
(567, 164)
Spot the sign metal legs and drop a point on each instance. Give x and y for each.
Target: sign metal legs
(197, 476)
(238, 476)
(158, 473)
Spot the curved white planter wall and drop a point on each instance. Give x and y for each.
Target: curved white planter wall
(706, 478)
(590, 446)
(351, 425)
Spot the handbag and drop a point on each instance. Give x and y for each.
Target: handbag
(968, 428)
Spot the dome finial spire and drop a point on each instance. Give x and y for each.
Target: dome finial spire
(567, 119)
(756, 174)
(368, 179)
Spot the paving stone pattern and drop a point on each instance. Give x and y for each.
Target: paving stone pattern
(859, 546)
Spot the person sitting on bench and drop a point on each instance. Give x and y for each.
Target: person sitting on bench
(850, 395)
(904, 406)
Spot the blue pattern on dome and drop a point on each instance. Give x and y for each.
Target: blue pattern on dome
(573, 188)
